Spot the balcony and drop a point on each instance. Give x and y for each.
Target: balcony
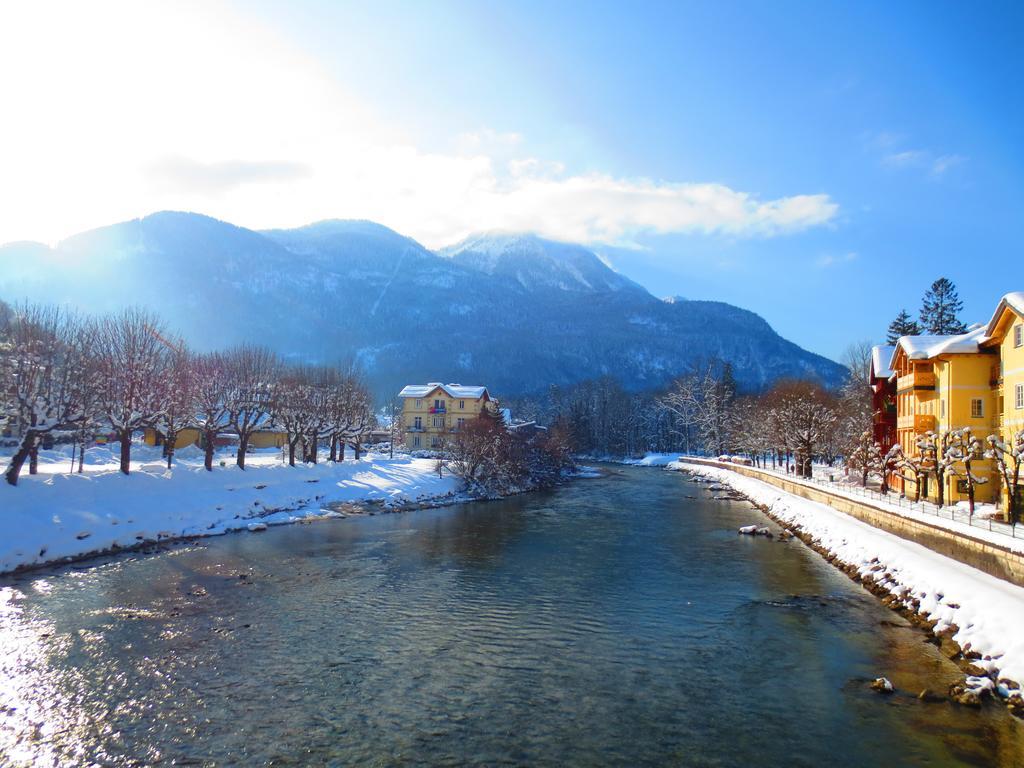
(920, 423)
(441, 410)
(414, 428)
(916, 380)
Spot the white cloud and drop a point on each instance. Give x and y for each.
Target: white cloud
(906, 159)
(943, 163)
(935, 165)
(833, 259)
(132, 107)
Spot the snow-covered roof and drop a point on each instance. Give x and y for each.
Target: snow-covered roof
(927, 347)
(880, 357)
(460, 391)
(1014, 301)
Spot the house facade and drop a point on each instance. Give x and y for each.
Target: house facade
(1005, 338)
(945, 383)
(432, 413)
(883, 397)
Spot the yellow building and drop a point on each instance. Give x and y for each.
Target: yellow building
(186, 437)
(261, 438)
(431, 413)
(1005, 337)
(945, 383)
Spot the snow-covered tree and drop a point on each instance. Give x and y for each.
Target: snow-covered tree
(704, 398)
(87, 386)
(177, 396)
(807, 414)
(251, 377)
(296, 410)
(212, 385)
(38, 372)
(936, 459)
(1008, 458)
(866, 458)
(963, 448)
(903, 325)
(940, 309)
(910, 468)
(132, 357)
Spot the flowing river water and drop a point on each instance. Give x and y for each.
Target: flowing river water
(615, 621)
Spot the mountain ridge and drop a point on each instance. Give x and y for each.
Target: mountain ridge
(512, 310)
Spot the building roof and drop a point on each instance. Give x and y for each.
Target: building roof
(927, 347)
(452, 390)
(880, 357)
(1014, 301)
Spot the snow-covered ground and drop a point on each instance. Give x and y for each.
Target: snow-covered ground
(989, 612)
(654, 460)
(55, 514)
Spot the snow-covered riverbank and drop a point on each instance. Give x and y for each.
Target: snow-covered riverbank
(55, 515)
(984, 614)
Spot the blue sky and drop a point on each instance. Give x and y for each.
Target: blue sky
(818, 163)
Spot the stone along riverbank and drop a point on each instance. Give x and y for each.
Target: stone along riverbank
(612, 621)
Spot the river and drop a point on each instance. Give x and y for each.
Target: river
(614, 621)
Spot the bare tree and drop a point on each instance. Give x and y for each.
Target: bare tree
(212, 389)
(251, 376)
(38, 373)
(936, 459)
(962, 449)
(178, 396)
(1008, 458)
(132, 357)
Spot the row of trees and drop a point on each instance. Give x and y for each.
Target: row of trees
(64, 373)
(702, 411)
(943, 455)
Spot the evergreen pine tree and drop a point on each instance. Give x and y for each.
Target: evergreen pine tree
(902, 326)
(940, 309)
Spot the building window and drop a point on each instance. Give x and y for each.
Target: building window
(418, 422)
(1018, 396)
(419, 403)
(1018, 335)
(462, 404)
(416, 442)
(460, 423)
(439, 422)
(439, 405)
(434, 442)
(977, 408)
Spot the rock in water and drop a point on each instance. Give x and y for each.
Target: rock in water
(882, 685)
(255, 527)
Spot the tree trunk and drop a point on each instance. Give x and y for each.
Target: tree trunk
(33, 458)
(291, 452)
(243, 445)
(170, 452)
(334, 447)
(126, 450)
(208, 439)
(313, 448)
(14, 468)
(341, 450)
(357, 448)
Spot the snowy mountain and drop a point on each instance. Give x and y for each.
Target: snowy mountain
(514, 311)
(536, 264)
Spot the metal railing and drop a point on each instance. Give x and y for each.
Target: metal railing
(953, 513)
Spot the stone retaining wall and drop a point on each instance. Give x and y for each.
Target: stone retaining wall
(990, 558)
